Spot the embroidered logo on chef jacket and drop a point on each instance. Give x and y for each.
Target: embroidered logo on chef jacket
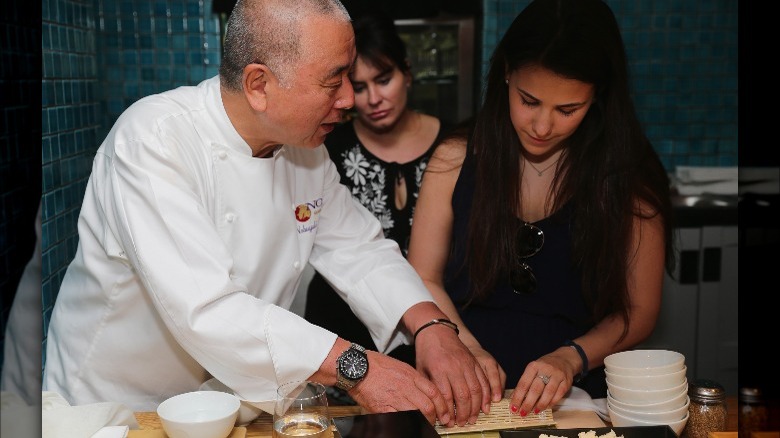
(307, 215)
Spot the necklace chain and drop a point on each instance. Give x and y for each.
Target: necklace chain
(540, 172)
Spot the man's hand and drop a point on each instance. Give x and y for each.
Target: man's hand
(495, 374)
(442, 357)
(392, 385)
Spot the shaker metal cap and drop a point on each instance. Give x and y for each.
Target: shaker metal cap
(706, 391)
(751, 395)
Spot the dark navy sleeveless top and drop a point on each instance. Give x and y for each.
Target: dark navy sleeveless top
(517, 329)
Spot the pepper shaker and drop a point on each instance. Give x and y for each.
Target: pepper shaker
(706, 410)
(753, 414)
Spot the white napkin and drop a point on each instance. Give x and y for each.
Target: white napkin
(61, 420)
(577, 399)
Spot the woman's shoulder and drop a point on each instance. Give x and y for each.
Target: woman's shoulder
(449, 153)
(429, 120)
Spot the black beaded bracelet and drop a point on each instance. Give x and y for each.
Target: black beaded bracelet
(584, 358)
(441, 321)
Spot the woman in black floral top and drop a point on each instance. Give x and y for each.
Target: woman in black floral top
(381, 155)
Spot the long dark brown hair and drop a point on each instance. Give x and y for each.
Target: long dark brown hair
(608, 164)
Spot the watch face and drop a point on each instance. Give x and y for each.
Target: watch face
(353, 365)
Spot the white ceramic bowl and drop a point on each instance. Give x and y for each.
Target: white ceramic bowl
(665, 405)
(199, 414)
(644, 362)
(246, 413)
(644, 396)
(623, 421)
(654, 382)
(656, 417)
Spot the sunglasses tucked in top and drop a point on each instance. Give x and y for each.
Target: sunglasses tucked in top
(530, 240)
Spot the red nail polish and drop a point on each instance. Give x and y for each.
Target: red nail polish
(513, 408)
(523, 413)
(536, 411)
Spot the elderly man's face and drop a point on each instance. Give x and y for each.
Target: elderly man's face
(319, 89)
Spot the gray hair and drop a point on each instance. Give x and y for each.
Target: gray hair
(268, 32)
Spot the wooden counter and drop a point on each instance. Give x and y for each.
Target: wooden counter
(733, 410)
(261, 428)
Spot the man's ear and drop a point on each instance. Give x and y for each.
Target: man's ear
(256, 78)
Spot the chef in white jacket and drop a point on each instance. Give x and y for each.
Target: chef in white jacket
(203, 207)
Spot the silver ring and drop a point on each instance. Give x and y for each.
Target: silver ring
(545, 379)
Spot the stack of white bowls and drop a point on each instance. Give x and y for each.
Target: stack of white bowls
(646, 388)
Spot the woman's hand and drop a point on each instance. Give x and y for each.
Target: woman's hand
(545, 381)
(495, 374)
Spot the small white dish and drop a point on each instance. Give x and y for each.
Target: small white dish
(644, 362)
(199, 414)
(645, 396)
(619, 420)
(664, 405)
(247, 413)
(650, 382)
(671, 415)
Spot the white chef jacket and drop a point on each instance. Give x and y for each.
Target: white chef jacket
(190, 252)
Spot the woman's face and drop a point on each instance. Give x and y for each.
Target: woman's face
(546, 108)
(380, 95)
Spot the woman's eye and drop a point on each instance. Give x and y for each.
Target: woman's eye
(567, 113)
(528, 102)
(358, 88)
(383, 81)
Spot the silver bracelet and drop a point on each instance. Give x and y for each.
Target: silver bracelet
(441, 321)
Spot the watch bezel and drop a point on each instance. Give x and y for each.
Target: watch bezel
(353, 357)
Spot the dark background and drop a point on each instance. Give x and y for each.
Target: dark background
(20, 159)
(398, 9)
(758, 264)
(20, 142)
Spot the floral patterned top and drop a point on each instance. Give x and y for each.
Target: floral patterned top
(372, 181)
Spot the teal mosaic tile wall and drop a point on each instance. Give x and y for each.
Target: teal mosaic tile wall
(69, 124)
(100, 56)
(20, 187)
(146, 47)
(683, 62)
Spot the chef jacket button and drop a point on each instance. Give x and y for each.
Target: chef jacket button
(230, 217)
(222, 154)
(297, 265)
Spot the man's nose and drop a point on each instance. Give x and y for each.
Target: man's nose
(346, 98)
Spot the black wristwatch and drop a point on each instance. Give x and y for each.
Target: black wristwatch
(351, 367)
